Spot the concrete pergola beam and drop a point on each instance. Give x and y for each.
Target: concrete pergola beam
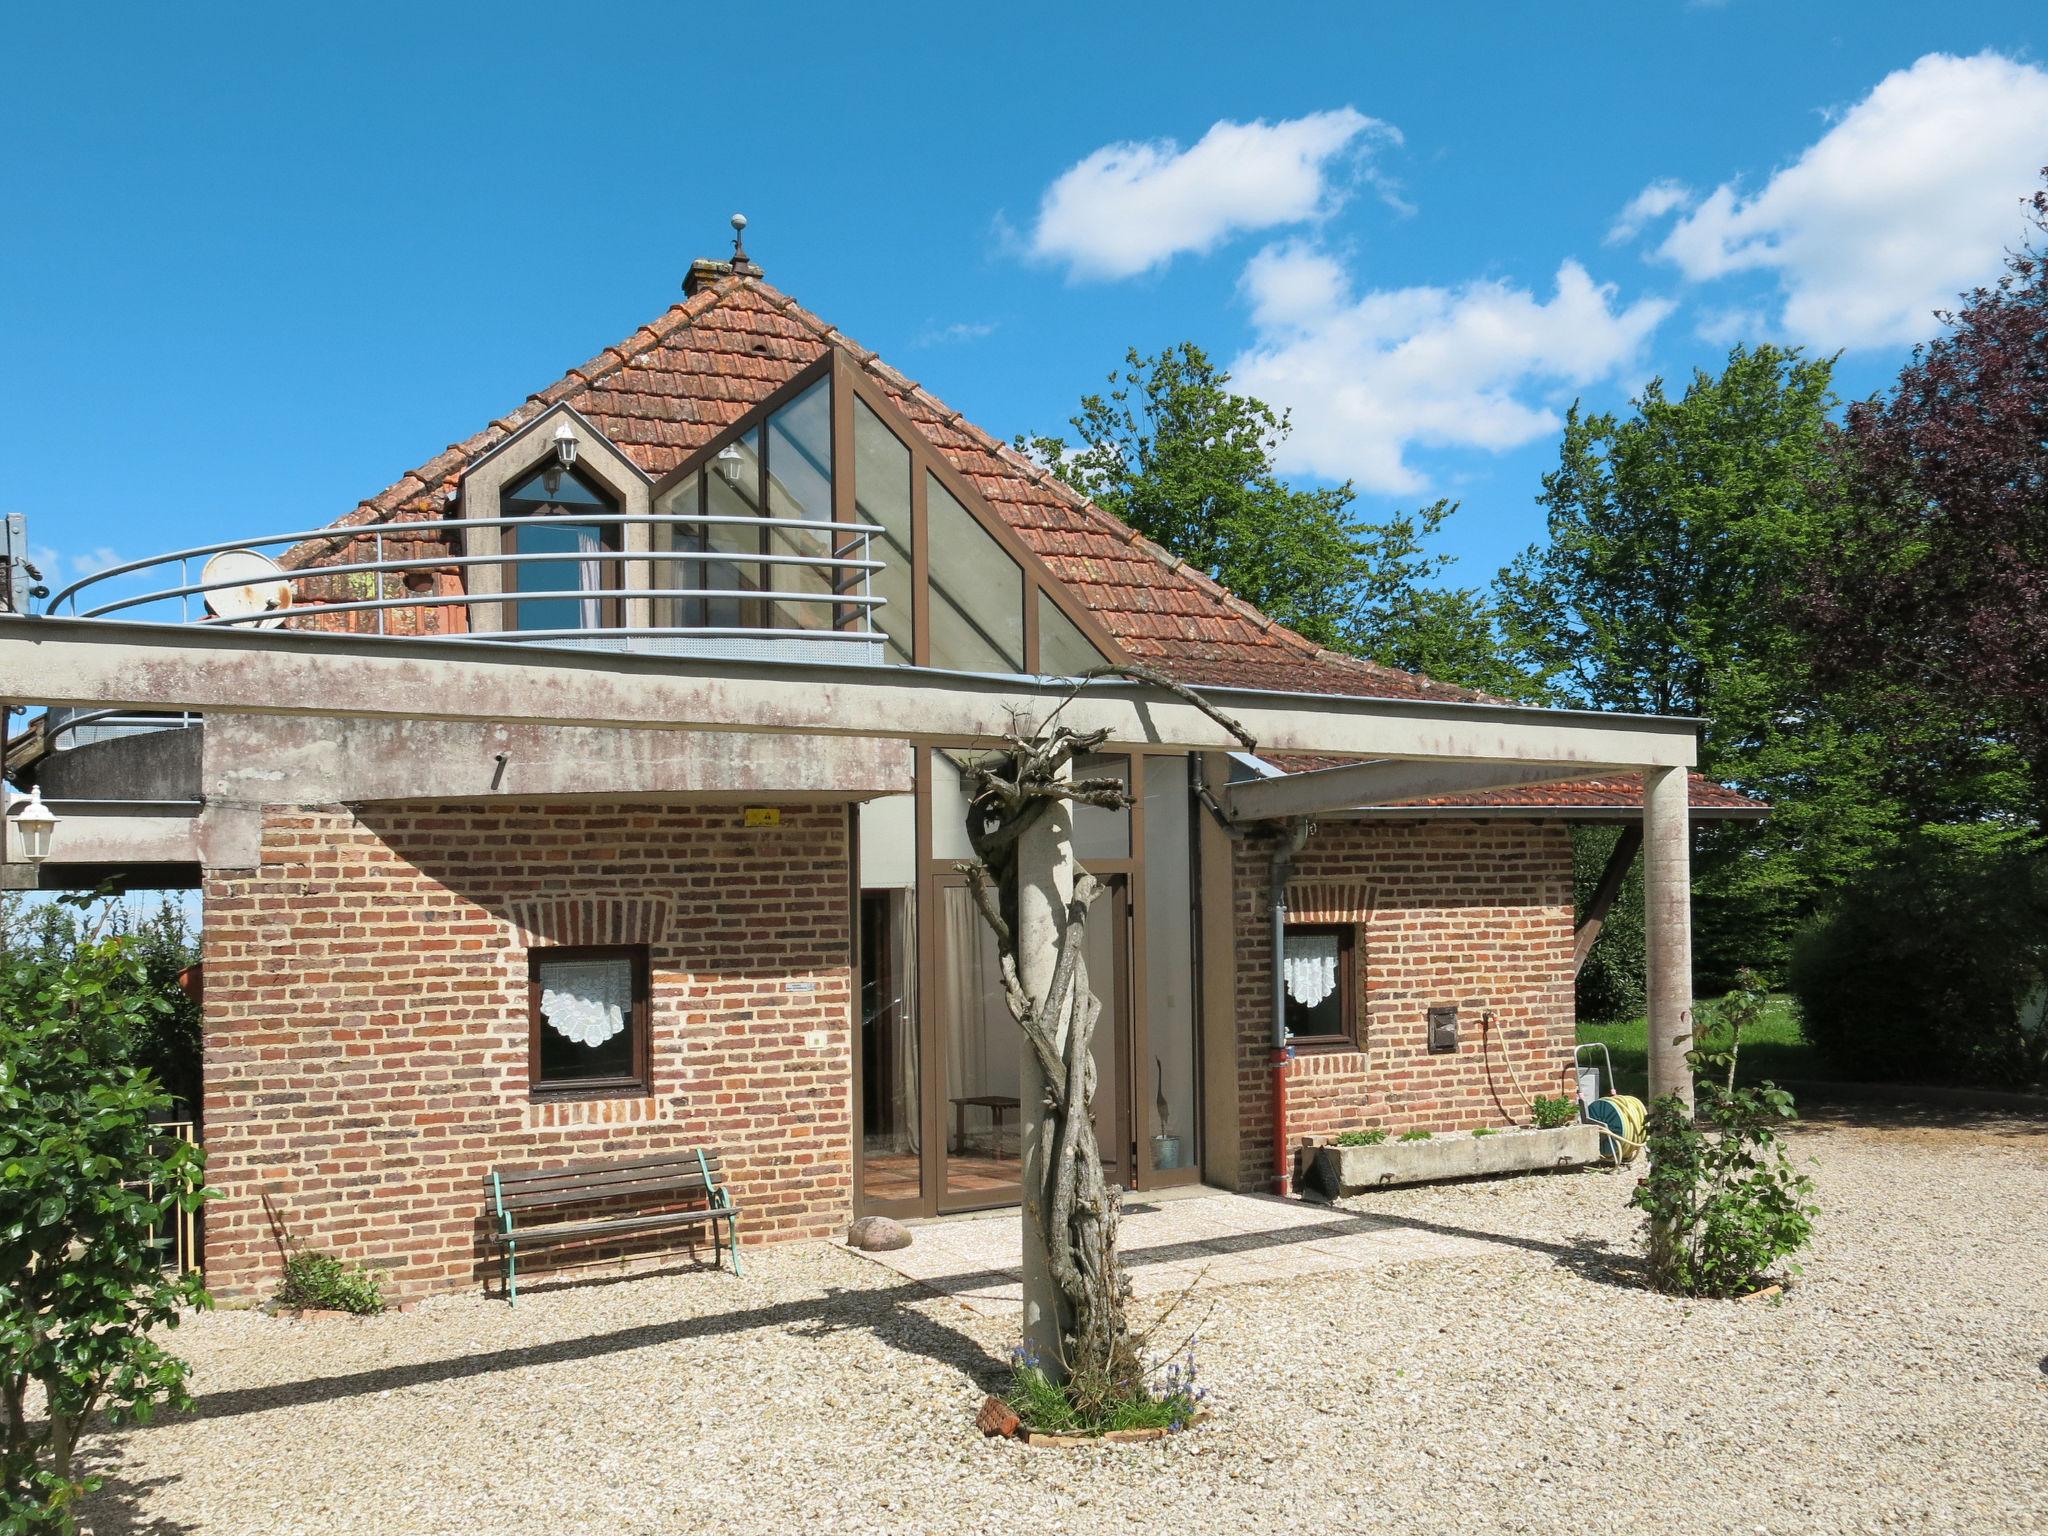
(178, 667)
(1357, 785)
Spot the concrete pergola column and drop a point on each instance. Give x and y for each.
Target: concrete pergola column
(1667, 924)
(1045, 883)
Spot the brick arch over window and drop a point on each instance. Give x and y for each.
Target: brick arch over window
(1329, 901)
(588, 919)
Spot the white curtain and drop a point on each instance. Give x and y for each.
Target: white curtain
(1311, 968)
(586, 1000)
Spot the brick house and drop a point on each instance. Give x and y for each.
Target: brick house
(440, 944)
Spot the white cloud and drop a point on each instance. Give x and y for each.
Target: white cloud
(1132, 206)
(1912, 195)
(934, 334)
(1646, 208)
(1366, 378)
(93, 561)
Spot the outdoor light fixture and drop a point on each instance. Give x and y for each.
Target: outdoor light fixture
(565, 456)
(34, 822)
(731, 462)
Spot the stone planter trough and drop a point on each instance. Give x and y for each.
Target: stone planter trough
(1354, 1170)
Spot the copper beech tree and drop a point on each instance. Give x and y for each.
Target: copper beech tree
(1036, 903)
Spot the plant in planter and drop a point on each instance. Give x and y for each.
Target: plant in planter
(1725, 1203)
(1416, 1135)
(1552, 1111)
(1370, 1136)
(1482, 1130)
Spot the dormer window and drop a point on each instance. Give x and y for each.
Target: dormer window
(565, 572)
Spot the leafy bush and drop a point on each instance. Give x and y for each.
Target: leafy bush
(1484, 1130)
(1934, 966)
(85, 1184)
(1725, 1203)
(1551, 1112)
(1370, 1137)
(322, 1281)
(1416, 1135)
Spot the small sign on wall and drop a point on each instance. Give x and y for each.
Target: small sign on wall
(763, 816)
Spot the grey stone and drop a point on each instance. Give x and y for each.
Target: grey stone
(877, 1234)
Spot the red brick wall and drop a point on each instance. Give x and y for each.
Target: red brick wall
(1475, 913)
(366, 1020)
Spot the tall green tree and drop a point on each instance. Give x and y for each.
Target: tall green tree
(1676, 535)
(1172, 450)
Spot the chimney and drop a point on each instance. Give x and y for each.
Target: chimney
(704, 271)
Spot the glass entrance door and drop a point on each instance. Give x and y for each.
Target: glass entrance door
(980, 1051)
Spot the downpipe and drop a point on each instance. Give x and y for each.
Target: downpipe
(1292, 837)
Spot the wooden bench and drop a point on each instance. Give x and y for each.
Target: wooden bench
(635, 1195)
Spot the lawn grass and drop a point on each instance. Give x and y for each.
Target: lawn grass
(1771, 1048)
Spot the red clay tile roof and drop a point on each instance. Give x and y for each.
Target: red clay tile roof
(670, 388)
(1624, 793)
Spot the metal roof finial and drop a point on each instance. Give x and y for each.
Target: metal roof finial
(742, 265)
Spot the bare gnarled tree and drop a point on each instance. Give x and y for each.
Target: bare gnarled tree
(1019, 794)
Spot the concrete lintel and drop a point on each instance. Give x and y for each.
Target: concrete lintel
(83, 662)
(110, 840)
(1356, 785)
(282, 760)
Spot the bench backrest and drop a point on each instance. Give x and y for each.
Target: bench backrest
(669, 1175)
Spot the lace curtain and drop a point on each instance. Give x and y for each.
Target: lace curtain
(586, 1000)
(1311, 967)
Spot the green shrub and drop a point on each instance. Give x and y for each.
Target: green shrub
(86, 1184)
(1169, 1400)
(1725, 1203)
(1370, 1137)
(1932, 967)
(1484, 1130)
(1417, 1135)
(1551, 1112)
(320, 1280)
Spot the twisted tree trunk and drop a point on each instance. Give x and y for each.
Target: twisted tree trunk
(1034, 901)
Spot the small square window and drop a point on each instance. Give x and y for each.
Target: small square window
(1321, 986)
(587, 1020)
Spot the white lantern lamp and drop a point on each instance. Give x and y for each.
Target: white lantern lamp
(34, 823)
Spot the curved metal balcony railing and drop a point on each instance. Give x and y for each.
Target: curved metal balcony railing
(629, 598)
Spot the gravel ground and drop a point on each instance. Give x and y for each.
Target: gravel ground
(1901, 1385)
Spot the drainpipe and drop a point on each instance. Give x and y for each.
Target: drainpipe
(1292, 837)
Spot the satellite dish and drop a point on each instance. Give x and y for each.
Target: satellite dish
(260, 587)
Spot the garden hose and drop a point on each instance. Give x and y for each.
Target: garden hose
(1620, 1117)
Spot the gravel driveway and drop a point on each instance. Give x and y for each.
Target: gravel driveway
(1902, 1385)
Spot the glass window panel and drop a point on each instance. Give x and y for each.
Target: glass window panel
(981, 1043)
(732, 489)
(881, 492)
(683, 500)
(564, 574)
(1314, 977)
(1166, 1092)
(586, 1018)
(550, 485)
(977, 590)
(891, 1161)
(1100, 833)
(949, 810)
(800, 488)
(1063, 651)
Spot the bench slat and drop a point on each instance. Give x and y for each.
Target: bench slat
(627, 1185)
(573, 1231)
(525, 1173)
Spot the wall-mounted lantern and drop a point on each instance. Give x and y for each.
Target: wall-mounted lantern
(34, 824)
(565, 458)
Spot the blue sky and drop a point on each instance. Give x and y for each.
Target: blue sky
(259, 261)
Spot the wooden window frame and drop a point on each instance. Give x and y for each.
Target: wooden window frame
(641, 1081)
(1346, 935)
